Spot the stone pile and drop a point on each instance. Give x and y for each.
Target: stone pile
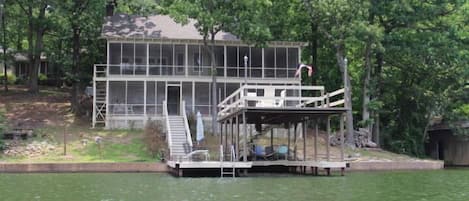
(360, 138)
(31, 149)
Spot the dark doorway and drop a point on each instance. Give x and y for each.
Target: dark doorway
(441, 150)
(173, 100)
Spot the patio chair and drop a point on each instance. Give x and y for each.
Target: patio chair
(282, 151)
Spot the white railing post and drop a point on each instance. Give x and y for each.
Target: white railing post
(168, 129)
(186, 123)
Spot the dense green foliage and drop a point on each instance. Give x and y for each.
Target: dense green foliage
(408, 60)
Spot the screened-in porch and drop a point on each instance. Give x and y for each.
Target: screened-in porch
(162, 59)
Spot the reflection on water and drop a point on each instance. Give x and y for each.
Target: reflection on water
(399, 186)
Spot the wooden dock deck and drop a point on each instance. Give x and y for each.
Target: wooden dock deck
(178, 167)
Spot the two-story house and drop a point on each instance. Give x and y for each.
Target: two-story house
(153, 60)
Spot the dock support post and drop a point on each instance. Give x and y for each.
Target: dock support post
(225, 147)
(342, 136)
(342, 171)
(304, 141)
(328, 144)
(245, 151)
(288, 143)
(237, 138)
(295, 131)
(272, 138)
(316, 130)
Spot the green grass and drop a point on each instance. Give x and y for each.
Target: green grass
(117, 146)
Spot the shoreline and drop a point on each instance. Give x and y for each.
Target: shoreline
(159, 167)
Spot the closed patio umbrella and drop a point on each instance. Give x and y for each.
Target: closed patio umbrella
(200, 128)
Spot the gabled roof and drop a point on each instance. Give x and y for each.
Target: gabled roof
(154, 27)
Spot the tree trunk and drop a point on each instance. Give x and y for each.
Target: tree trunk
(214, 84)
(366, 90)
(341, 60)
(5, 69)
(377, 76)
(75, 92)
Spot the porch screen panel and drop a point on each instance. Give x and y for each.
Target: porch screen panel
(180, 59)
(243, 51)
(202, 97)
(114, 58)
(194, 60)
(154, 59)
(117, 97)
(187, 96)
(292, 61)
(269, 62)
(220, 60)
(140, 59)
(128, 58)
(281, 62)
(135, 97)
(151, 98)
(232, 61)
(230, 88)
(256, 62)
(167, 53)
(160, 96)
(206, 61)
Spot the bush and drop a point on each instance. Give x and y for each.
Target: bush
(42, 77)
(154, 139)
(11, 78)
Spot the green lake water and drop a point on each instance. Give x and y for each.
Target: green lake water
(400, 186)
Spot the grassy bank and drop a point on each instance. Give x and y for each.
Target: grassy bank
(48, 114)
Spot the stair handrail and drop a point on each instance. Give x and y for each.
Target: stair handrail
(186, 124)
(233, 154)
(168, 127)
(221, 154)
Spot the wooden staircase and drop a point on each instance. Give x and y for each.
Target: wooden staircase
(100, 106)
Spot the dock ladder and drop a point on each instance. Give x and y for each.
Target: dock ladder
(232, 160)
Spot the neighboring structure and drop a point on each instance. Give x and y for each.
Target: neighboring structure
(20, 66)
(444, 145)
(154, 59)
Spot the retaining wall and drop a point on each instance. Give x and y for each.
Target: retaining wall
(83, 167)
(395, 165)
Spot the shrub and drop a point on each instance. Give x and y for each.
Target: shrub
(10, 77)
(154, 139)
(42, 77)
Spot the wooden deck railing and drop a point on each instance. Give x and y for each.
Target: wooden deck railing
(280, 97)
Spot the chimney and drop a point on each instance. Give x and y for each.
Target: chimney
(111, 4)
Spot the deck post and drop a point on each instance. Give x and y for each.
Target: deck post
(288, 143)
(237, 137)
(328, 144)
(245, 128)
(225, 147)
(316, 130)
(232, 131)
(272, 137)
(304, 141)
(342, 140)
(221, 133)
(294, 140)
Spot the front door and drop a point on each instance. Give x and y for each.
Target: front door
(173, 100)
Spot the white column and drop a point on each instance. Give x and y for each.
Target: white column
(186, 60)
(148, 59)
(225, 63)
(145, 101)
(107, 59)
(107, 105)
(193, 97)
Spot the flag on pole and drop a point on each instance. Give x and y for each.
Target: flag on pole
(300, 66)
